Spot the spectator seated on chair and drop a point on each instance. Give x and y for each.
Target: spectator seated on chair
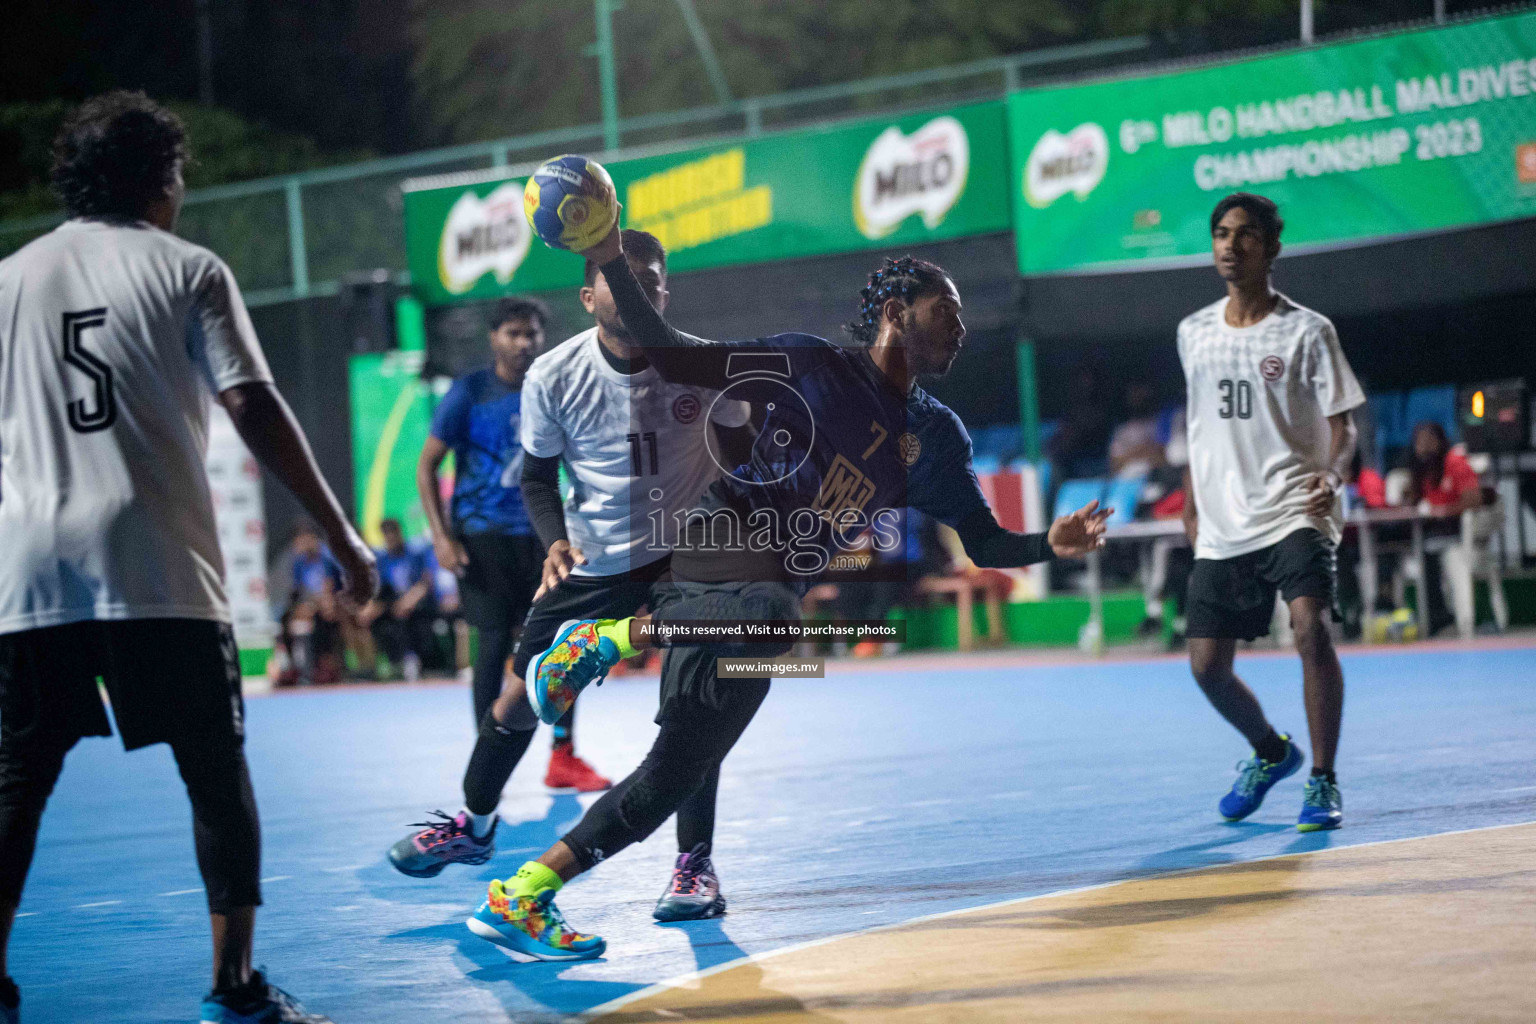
(1077, 448)
(311, 622)
(1134, 448)
(1441, 479)
(402, 616)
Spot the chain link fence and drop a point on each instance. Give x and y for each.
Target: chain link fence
(297, 236)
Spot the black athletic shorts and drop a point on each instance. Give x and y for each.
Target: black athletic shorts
(584, 597)
(1234, 598)
(500, 579)
(167, 679)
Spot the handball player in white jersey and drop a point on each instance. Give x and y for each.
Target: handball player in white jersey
(637, 451)
(1270, 433)
(114, 336)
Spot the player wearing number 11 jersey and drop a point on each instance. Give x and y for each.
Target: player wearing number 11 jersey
(636, 450)
(1270, 395)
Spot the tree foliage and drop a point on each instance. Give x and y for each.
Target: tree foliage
(483, 69)
(225, 147)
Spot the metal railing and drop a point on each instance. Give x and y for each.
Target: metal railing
(295, 236)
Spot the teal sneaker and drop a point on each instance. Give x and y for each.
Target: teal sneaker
(578, 658)
(1254, 779)
(1322, 806)
(256, 1002)
(532, 926)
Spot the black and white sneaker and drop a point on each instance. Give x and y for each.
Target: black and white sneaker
(257, 1002)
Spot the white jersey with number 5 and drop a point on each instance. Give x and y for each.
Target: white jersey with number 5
(1259, 402)
(112, 338)
(636, 447)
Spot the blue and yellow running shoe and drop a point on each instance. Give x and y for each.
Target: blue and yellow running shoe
(582, 654)
(256, 1002)
(531, 925)
(1322, 806)
(1254, 778)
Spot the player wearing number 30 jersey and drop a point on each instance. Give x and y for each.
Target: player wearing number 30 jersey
(1270, 394)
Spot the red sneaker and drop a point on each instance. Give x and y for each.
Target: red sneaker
(567, 771)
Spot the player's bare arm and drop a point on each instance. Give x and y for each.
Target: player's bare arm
(1191, 514)
(267, 426)
(450, 553)
(1326, 486)
(1080, 532)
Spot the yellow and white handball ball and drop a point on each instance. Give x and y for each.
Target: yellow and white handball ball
(570, 202)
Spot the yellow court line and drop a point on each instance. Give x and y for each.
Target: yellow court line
(692, 978)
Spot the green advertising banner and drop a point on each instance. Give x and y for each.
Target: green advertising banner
(391, 416)
(840, 188)
(1410, 133)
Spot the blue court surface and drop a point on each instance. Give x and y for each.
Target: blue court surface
(877, 795)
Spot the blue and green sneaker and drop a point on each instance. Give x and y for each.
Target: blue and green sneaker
(520, 914)
(1254, 778)
(582, 654)
(1322, 806)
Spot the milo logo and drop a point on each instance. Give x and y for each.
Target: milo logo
(924, 173)
(1074, 162)
(483, 236)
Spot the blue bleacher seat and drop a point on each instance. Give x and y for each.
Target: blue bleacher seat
(1074, 494)
(1434, 405)
(1123, 493)
(1000, 443)
(1391, 435)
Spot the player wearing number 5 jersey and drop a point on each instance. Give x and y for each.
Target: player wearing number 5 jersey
(114, 336)
(1270, 395)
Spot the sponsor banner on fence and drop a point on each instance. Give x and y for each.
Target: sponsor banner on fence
(871, 184)
(234, 482)
(1405, 134)
(391, 418)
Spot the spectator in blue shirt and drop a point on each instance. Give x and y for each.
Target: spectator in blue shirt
(485, 537)
(311, 622)
(401, 618)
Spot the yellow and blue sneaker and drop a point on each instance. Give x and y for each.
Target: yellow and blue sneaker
(582, 654)
(1322, 806)
(520, 914)
(1254, 779)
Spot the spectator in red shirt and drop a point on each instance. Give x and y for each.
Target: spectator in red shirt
(1442, 480)
(1441, 477)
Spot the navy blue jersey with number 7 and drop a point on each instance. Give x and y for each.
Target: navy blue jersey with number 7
(836, 441)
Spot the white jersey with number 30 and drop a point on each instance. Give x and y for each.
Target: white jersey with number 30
(1259, 402)
(112, 338)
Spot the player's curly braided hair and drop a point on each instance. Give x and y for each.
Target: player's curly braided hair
(116, 154)
(905, 279)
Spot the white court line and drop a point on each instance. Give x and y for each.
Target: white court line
(1517, 789)
(276, 878)
(103, 903)
(29, 913)
(349, 867)
(180, 892)
(692, 976)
